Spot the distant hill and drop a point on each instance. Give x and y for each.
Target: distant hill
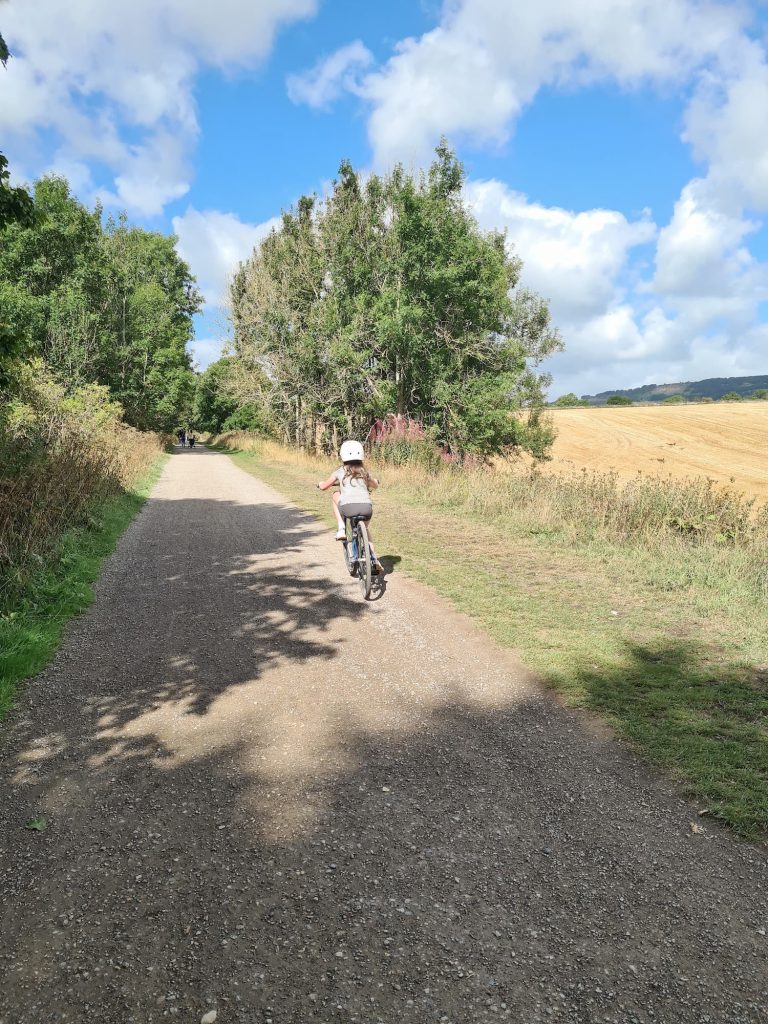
(713, 387)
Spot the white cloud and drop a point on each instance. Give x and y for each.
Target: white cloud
(574, 259)
(727, 125)
(694, 318)
(88, 69)
(700, 252)
(331, 76)
(154, 174)
(205, 351)
(213, 244)
(472, 76)
(579, 261)
(474, 73)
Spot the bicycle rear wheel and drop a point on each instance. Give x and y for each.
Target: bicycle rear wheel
(364, 573)
(349, 549)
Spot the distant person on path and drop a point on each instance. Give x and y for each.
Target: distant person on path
(180, 436)
(353, 498)
(192, 440)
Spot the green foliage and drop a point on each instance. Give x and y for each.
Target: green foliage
(570, 401)
(710, 389)
(404, 451)
(249, 417)
(62, 453)
(56, 585)
(99, 303)
(619, 400)
(15, 203)
(214, 403)
(387, 298)
(673, 400)
(732, 396)
(761, 394)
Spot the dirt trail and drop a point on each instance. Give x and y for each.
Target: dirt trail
(269, 799)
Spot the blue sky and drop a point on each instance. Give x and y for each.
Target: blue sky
(624, 147)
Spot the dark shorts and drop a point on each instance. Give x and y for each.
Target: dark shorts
(356, 509)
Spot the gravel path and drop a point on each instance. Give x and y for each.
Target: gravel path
(270, 801)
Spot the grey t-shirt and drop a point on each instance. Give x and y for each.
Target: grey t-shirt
(353, 491)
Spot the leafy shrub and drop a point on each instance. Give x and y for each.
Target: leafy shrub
(731, 396)
(570, 401)
(61, 455)
(619, 400)
(673, 400)
(246, 417)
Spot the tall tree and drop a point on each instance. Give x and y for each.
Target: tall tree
(111, 305)
(15, 203)
(387, 297)
(15, 206)
(152, 298)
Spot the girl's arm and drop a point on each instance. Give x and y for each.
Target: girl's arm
(373, 483)
(325, 485)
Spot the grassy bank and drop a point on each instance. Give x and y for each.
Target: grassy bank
(660, 626)
(31, 624)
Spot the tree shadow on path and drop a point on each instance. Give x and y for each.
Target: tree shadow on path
(232, 827)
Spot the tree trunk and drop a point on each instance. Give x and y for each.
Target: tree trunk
(400, 379)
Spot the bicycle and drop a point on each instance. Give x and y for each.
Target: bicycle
(357, 553)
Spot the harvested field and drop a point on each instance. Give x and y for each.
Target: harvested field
(728, 443)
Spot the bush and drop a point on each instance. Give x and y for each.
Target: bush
(761, 394)
(673, 400)
(246, 417)
(570, 401)
(731, 396)
(619, 400)
(61, 456)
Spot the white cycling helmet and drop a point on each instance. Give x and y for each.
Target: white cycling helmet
(351, 451)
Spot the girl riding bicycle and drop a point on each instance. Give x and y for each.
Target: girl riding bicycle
(353, 498)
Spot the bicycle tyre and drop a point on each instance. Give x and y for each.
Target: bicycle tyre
(349, 558)
(364, 572)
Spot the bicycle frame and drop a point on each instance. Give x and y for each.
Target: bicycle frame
(357, 553)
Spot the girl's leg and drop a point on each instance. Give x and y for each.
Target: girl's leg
(340, 527)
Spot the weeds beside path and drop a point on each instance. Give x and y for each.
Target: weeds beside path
(668, 642)
(30, 630)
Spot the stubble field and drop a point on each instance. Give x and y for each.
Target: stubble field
(728, 443)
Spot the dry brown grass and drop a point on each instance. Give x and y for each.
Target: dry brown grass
(645, 510)
(61, 457)
(50, 495)
(726, 443)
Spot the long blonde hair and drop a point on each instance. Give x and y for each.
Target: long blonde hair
(355, 470)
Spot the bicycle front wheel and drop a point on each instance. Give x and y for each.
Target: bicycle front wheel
(364, 573)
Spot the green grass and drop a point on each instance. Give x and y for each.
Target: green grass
(30, 631)
(666, 641)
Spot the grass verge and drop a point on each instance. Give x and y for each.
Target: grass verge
(665, 639)
(60, 587)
